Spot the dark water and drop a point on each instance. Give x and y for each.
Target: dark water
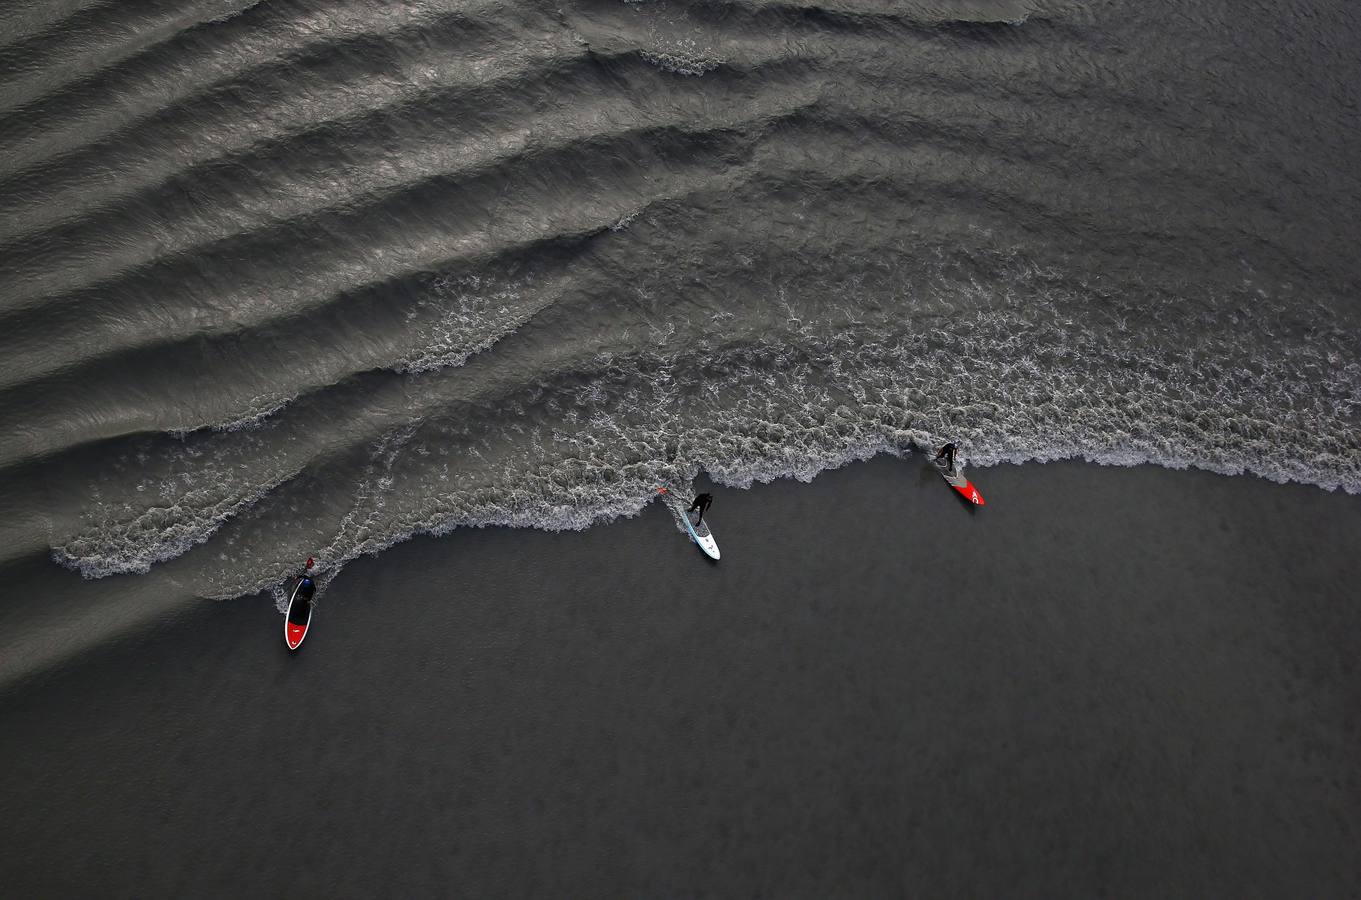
(296, 278)
(1096, 689)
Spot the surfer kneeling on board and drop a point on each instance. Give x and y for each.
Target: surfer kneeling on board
(702, 504)
(307, 587)
(947, 453)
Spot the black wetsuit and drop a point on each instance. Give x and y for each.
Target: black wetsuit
(947, 453)
(702, 504)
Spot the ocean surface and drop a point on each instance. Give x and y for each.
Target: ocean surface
(357, 278)
(296, 278)
(1123, 683)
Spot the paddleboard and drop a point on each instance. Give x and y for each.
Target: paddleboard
(298, 618)
(959, 483)
(700, 534)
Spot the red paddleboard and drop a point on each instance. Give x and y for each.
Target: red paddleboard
(298, 618)
(959, 483)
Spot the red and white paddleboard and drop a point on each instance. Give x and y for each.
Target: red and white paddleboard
(959, 483)
(298, 618)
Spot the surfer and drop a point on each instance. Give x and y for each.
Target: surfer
(701, 503)
(306, 586)
(299, 615)
(947, 453)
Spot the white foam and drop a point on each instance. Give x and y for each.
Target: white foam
(681, 63)
(464, 316)
(152, 506)
(1015, 381)
(619, 437)
(259, 411)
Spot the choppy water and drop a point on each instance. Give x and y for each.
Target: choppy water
(302, 277)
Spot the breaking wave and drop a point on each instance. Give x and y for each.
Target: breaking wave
(280, 280)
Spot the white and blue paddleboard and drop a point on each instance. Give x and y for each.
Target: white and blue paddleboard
(700, 533)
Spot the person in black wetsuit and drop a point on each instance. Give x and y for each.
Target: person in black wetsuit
(947, 453)
(702, 504)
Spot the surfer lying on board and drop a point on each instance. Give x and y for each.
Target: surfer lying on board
(702, 504)
(947, 453)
